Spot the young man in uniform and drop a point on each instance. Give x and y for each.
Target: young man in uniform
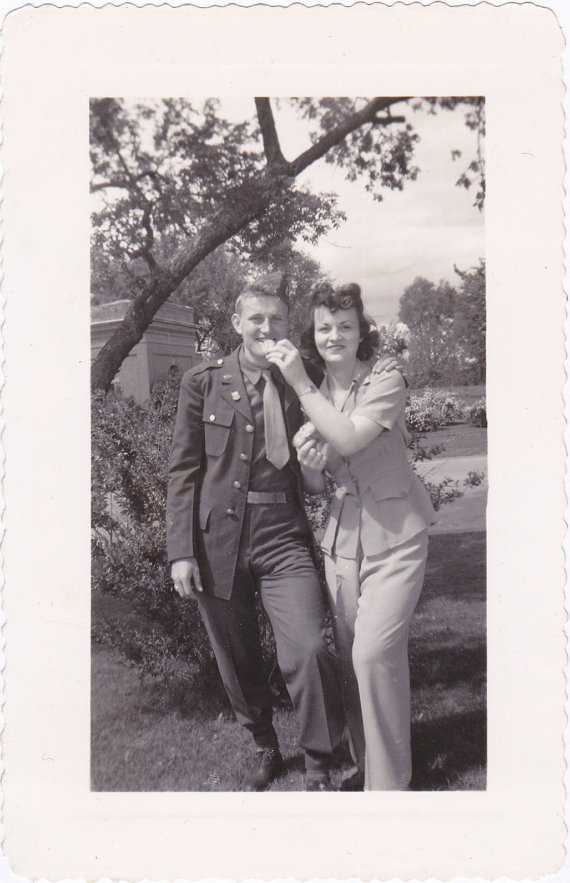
(237, 525)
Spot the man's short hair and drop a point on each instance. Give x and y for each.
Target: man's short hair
(273, 285)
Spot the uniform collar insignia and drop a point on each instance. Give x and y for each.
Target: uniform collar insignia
(226, 378)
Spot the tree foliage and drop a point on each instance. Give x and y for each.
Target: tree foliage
(428, 311)
(471, 321)
(176, 181)
(211, 290)
(447, 328)
(472, 175)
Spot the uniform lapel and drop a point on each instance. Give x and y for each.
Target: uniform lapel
(232, 387)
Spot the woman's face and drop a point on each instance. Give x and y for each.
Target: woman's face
(337, 335)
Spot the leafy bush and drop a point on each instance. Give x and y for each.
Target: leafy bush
(474, 478)
(477, 413)
(431, 409)
(142, 616)
(418, 452)
(446, 491)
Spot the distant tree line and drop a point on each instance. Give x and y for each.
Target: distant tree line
(441, 330)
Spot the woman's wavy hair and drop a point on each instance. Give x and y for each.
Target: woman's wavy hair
(342, 298)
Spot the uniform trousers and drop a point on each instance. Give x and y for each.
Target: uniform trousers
(274, 558)
(372, 600)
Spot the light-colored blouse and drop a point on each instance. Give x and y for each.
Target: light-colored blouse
(380, 502)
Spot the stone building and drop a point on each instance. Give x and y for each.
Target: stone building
(170, 340)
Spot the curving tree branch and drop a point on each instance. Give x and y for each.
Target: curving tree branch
(368, 114)
(271, 146)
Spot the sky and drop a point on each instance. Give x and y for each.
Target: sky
(422, 230)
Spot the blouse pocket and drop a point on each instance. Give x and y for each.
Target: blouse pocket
(218, 421)
(393, 485)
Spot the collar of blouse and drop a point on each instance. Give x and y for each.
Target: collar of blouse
(360, 378)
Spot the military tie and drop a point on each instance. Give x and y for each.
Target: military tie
(276, 444)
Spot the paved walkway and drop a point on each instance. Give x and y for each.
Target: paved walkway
(468, 512)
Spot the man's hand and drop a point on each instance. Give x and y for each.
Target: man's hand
(387, 363)
(312, 449)
(312, 454)
(184, 573)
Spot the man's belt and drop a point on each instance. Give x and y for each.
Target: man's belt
(258, 498)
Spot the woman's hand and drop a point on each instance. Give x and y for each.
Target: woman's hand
(288, 359)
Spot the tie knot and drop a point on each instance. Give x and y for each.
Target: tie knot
(267, 376)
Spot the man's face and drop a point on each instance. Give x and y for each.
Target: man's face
(261, 318)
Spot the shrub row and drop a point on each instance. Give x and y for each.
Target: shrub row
(431, 409)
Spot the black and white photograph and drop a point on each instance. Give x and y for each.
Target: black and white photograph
(289, 444)
(284, 442)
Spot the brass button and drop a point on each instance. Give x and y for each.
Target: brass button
(212, 417)
(230, 511)
(220, 361)
(243, 456)
(249, 428)
(237, 485)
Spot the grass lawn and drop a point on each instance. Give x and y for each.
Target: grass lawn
(459, 440)
(149, 738)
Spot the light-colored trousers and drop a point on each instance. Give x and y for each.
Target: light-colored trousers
(372, 601)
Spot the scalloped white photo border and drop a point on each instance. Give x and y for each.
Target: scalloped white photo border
(54, 57)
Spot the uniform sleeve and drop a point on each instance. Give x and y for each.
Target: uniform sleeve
(185, 470)
(382, 399)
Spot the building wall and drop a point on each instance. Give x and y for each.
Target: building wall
(169, 341)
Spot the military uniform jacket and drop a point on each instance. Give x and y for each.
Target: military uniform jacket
(209, 469)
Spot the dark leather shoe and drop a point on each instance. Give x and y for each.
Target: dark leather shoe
(320, 783)
(268, 765)
(353, 782)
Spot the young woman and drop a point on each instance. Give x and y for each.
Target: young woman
(375, 541)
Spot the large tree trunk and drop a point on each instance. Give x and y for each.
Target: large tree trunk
(234, 215)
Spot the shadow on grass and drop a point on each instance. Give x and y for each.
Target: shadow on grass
(456, 566)
(448, 666)
(446, 750)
